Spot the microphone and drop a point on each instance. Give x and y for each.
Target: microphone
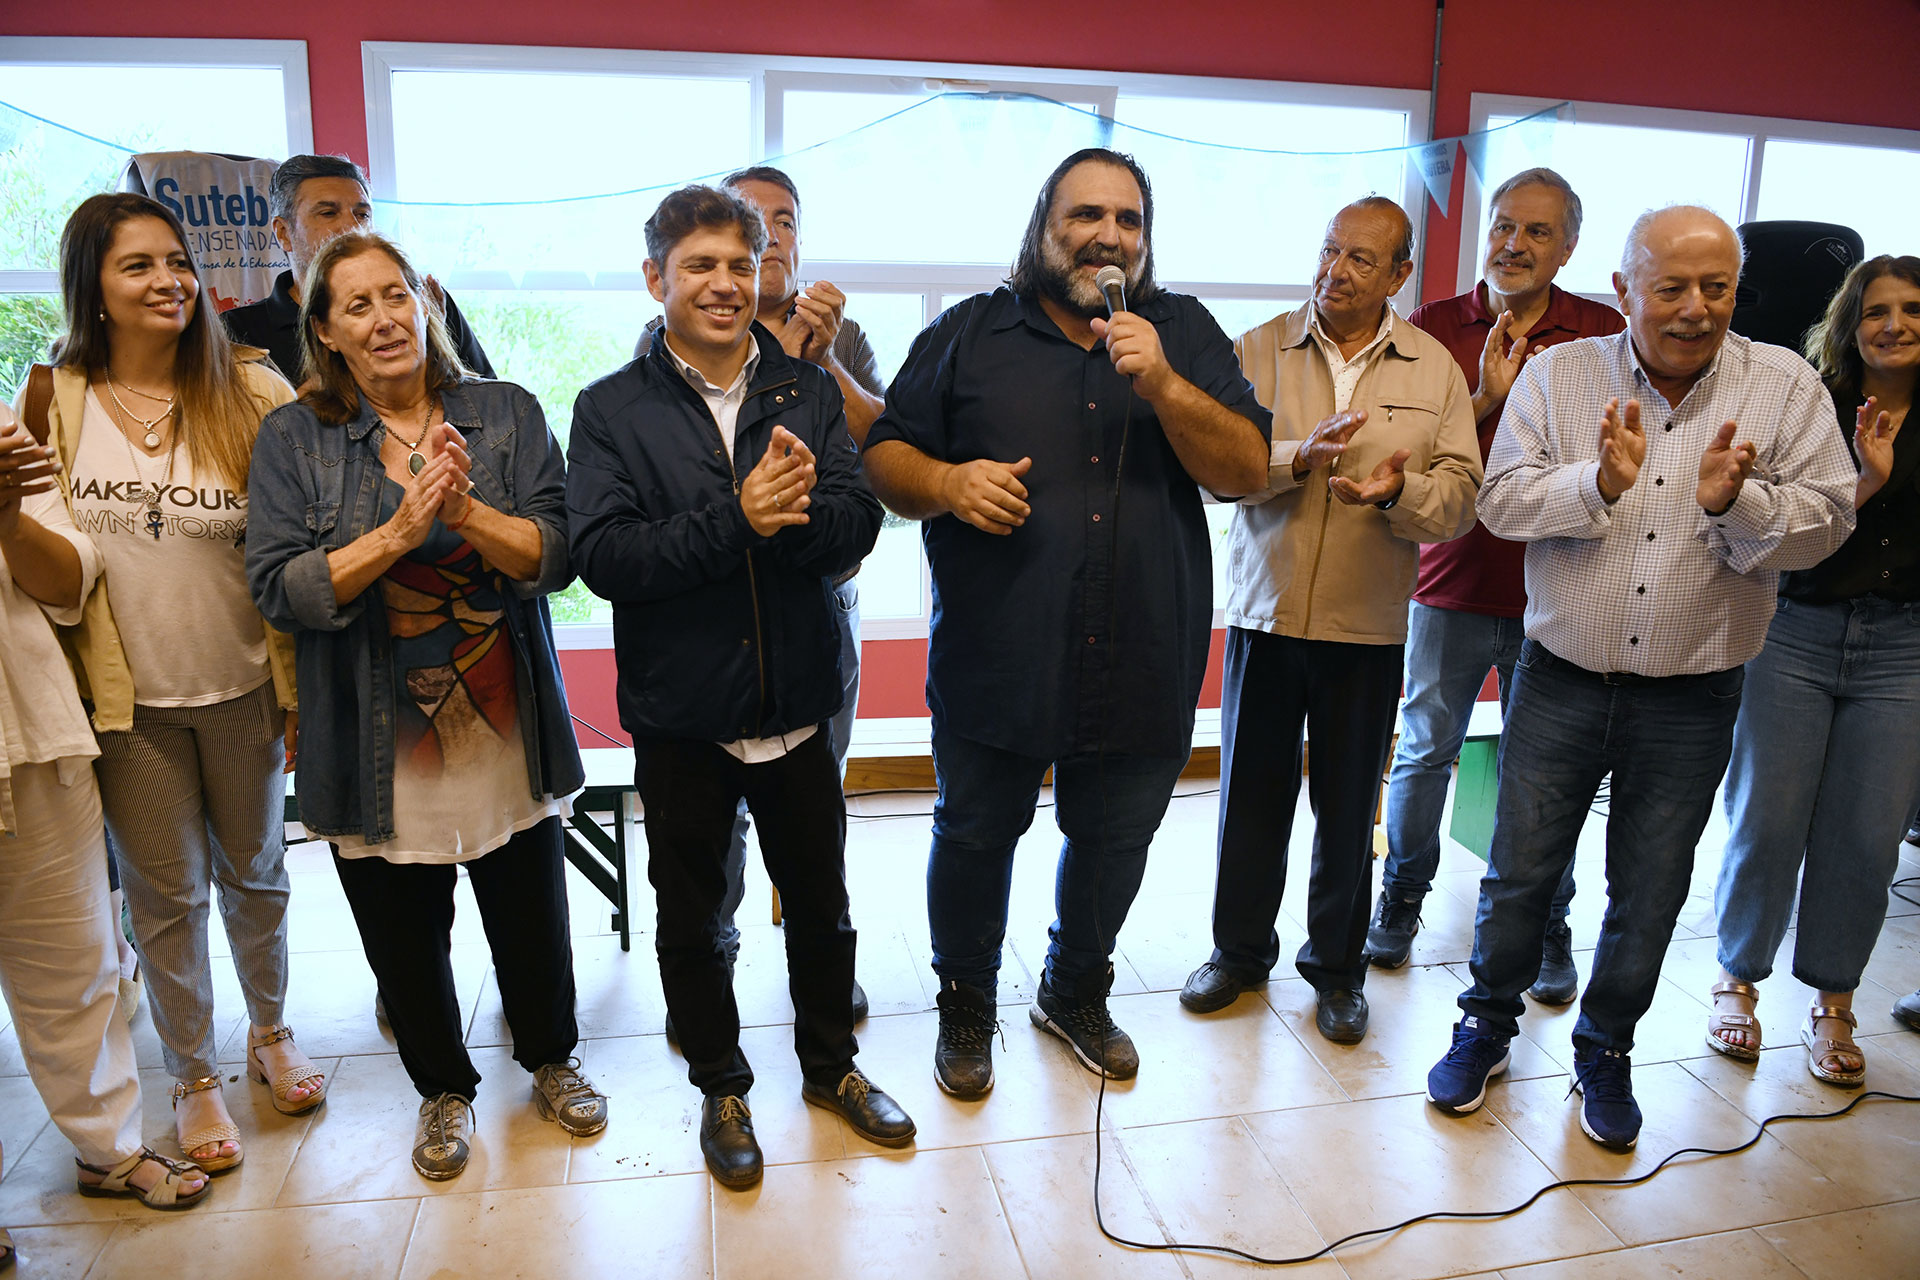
(1112, 282)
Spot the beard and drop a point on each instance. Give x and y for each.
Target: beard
(1059, 279)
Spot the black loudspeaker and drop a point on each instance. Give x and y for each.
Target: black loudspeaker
(1793, 269)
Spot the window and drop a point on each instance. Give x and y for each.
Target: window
(1625, 160)
(71, 113)
(916, 180)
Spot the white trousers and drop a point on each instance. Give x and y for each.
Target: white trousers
(59, 967)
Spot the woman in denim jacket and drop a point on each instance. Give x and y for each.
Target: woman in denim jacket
(408, 521)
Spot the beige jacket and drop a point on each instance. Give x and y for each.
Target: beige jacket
(1304, 564)
(93, 645)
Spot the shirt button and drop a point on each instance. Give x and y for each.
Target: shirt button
(1658, 480)
(1883, 542)
(1092, 405)
(1649, 536)
(1096, 459)
(1633, 639)
(1669, 426)
(1092, 639)
(1096, 517)
(747, 643)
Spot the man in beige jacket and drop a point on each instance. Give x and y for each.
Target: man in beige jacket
(1373, 452)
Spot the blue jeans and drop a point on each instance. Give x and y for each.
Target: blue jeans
(1108, 812)
(839, 731)
(1448, 654)
(1826, 763)
(1666, 743)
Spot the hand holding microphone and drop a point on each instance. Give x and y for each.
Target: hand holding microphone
(1133, 344)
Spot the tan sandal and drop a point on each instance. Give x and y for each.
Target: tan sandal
(288, 1080)
(1821, 1049)
(1743, 1022)
(164, 1194)
(6, 1248)
(211, 1135)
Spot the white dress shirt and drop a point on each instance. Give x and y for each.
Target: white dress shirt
(1653, 585)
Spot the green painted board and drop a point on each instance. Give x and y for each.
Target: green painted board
(1476, 786)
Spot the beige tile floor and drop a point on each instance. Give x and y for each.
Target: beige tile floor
(1243, 1129)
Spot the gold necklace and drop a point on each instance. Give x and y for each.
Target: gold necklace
(152, 437)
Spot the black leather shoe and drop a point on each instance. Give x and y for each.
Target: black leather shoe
(727, 1141)
(1211, 988)
(1341, 1016)
(871, 1113)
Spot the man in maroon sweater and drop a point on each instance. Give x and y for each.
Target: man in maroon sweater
(1467, 609)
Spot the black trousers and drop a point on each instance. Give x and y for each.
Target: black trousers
(1344, 695)
(691, 791)
(405, 915)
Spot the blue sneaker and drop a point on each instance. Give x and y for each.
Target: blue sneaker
(1608, 1113)
(1458, 1082)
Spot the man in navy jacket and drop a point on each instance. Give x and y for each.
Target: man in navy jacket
(713, 495)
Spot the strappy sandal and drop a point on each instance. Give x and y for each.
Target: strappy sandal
(6, 1249)
(1746, 1022)
(288, 1080)
(1822, 1048)
(164, 1194)
(212, 1135)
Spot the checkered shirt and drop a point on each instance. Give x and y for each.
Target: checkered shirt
(1653, 585)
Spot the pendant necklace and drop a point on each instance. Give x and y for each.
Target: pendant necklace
(155, 522)
(416, 461)
(152, 437)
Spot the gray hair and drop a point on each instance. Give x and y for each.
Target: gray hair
(1541, 176)
(283, 193)
(1636, 244)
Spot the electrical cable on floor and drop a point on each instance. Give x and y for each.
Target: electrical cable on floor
(1895, 887)
(1462, 1214)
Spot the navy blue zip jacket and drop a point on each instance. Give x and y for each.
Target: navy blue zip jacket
(718, 633)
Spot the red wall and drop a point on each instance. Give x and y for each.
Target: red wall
(1758, 57)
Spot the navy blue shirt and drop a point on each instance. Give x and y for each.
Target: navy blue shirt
(1026, 626)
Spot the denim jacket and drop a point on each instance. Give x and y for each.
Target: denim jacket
(315, 488)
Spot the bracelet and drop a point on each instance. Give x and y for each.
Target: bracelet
(456, 525)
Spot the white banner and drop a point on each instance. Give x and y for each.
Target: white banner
(222, 201)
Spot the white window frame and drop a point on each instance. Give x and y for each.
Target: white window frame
(771, 75)
(1758, 130)
(288, 57)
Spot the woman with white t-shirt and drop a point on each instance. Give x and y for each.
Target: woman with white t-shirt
(409, 522)
(59, 969)
(154, 414)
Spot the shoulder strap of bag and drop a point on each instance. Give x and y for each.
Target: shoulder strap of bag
(39, 401)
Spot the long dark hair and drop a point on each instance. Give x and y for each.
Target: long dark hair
(1027, 269)
(217, 414)
(1833, 345)
(330, 390)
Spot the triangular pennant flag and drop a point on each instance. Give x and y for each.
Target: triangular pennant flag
(1436, 170)
(1475, 145)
